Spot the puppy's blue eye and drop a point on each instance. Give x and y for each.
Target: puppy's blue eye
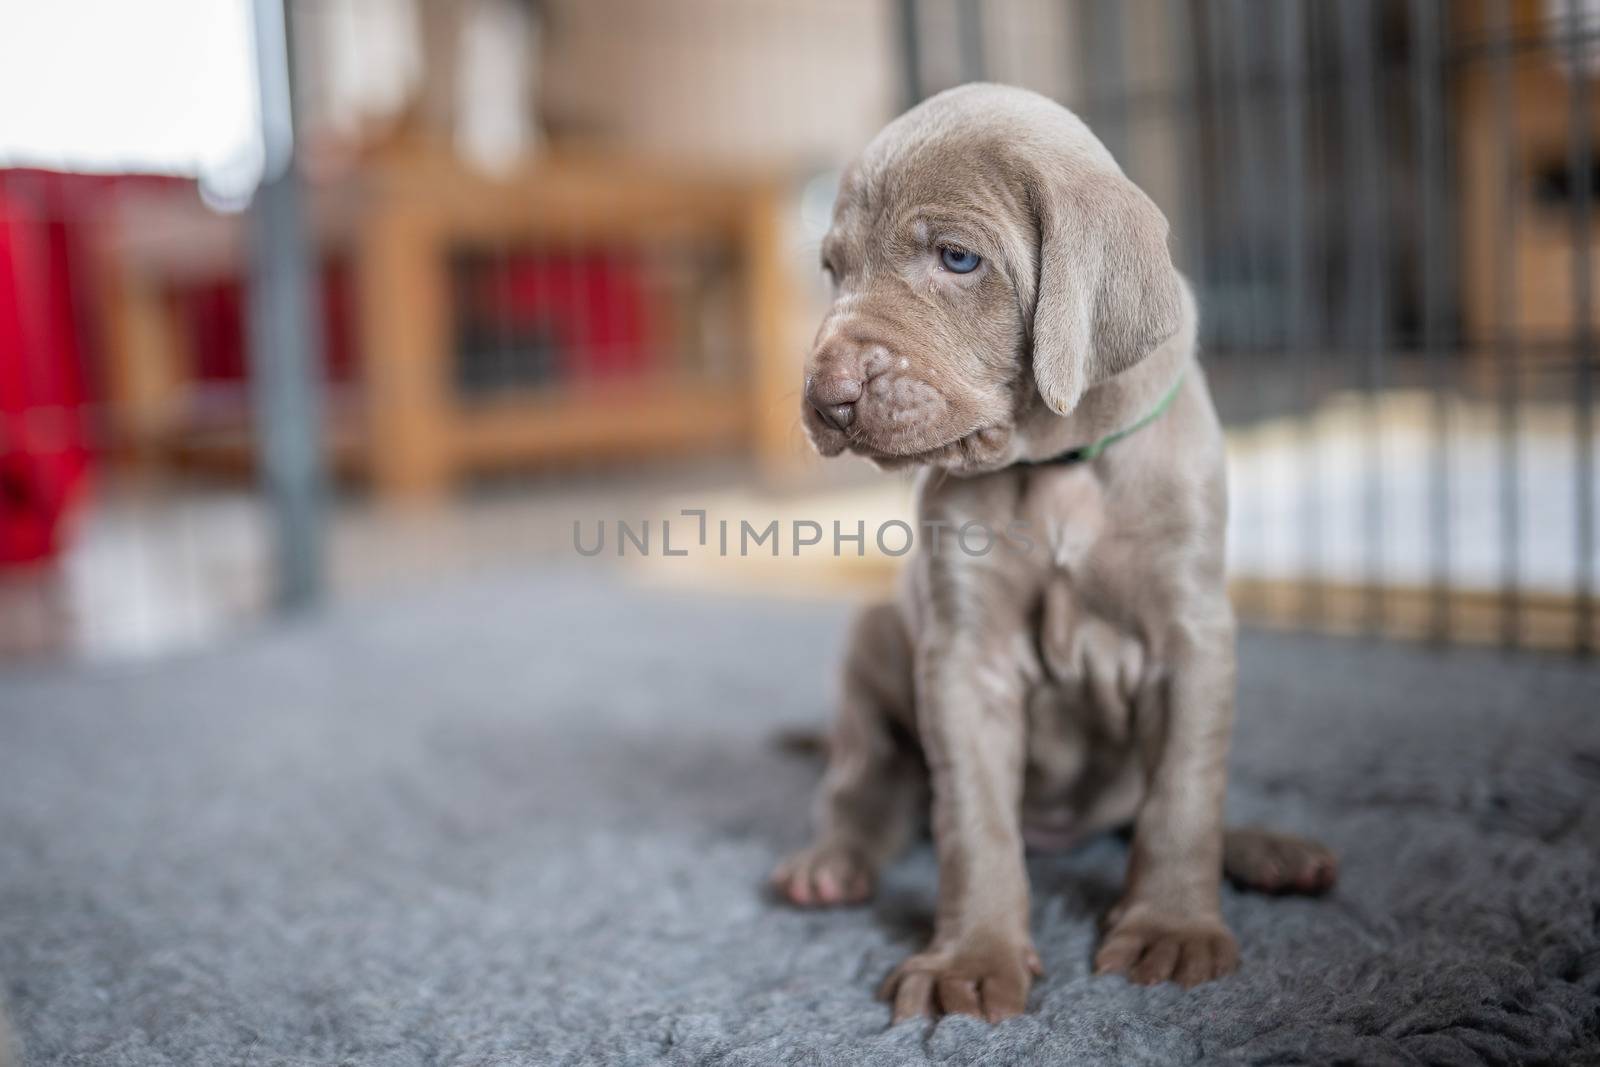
(957, 261)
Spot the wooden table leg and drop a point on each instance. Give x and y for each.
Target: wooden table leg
(406, 347)
(146, 362)
(775, 350)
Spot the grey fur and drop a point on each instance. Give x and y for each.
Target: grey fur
(523, 822)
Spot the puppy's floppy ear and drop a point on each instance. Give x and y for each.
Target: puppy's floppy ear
(1107, 293)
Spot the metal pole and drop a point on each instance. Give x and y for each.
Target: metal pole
(1101, 52)
(969, 26)
(285, 353)
(1427, 73)
(1367, 275)
(1252, 330)
(1292, 62)
(910, 52)
(1507, 355)
(1580, 167)
(1221, 322)
(1187, 110)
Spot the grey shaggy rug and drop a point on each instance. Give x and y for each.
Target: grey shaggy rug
(527, 820)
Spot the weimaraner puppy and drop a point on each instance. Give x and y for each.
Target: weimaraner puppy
(1007, 318)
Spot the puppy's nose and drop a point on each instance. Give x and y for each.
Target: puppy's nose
(834, 397)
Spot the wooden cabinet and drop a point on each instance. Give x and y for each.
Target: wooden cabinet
(402, 223)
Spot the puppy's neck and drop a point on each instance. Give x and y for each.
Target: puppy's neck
(1110, 407)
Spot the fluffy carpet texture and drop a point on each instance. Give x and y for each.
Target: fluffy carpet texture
(527, 821)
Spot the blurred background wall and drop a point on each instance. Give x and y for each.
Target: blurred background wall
(513, 265)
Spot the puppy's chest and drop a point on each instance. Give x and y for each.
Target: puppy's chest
(1084, 547)
(1080, 719)
(1091, 657)
(1068, 509)
(1063, 545)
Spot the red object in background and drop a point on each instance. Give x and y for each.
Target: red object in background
(592, 304)
(44, 445)
(47, 346)
(212, 315)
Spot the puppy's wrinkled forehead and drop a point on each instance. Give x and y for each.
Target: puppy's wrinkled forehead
(902, 168)
(963, 160)
(927, 165)
(903, 196)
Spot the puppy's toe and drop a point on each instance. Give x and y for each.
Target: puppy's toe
(1270, 862)
(984, 977)
(1157, 963)
(1151, 948)
(824, 875)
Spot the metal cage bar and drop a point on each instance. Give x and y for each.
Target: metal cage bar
(1580, 168)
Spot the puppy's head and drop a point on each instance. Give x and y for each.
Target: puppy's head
(987, 256)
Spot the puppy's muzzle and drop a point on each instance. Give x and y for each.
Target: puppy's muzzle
(833, 396)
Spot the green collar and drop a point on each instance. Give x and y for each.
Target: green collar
(1084, 453)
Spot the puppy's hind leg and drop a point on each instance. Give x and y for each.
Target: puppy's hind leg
(876, 782)
(1270, 862)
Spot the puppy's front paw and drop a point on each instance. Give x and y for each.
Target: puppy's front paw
(1151, 947)
(1269, 862)
(824, 874)
(984, 976)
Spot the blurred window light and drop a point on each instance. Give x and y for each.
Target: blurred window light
(148, 87)
(1570, 26)
(360, 62)
(816, 204)
(495, 79)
